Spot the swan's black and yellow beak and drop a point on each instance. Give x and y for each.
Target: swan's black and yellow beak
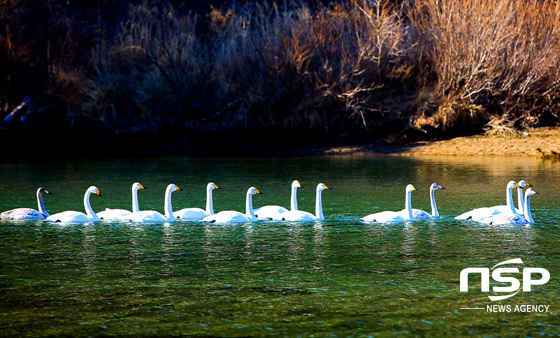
(97, 192)
(142, 187)
(258, 192)
(178, 189)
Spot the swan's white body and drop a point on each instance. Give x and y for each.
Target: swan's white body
(112, 215)
(151, 216)
(420, 214)
(304, 216)
(514, 218)
(229, 217)
(275, 212)
(395, 216)
(196, 214)
(481, 213)
(76, 217)
(29, 213)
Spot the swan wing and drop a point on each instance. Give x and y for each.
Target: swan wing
(227, 217)
(69, 217)
(421, 214)
(22, 214)
(385, 217)
(481, 213)
(146, 216)
(505, 218)
(476, 214)
(190, 214)
(270, 212)
(112, 215)
(298, 216)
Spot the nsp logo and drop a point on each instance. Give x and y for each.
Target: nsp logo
(528, 280)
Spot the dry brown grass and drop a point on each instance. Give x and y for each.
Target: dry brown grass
(358, 67)
(491, 60)
(260, 65)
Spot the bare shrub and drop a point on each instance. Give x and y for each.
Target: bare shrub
(490, 59)
(258, 65)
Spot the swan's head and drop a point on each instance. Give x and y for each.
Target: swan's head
(531, 192)
(512, 185)
(43, 191)
(94, 190)
(296, 184)
(253, 191)
(138, 186)
(436, 186)
(172, 187)
(212, 186)
(410, 188)
(322, 186)
(523, 184)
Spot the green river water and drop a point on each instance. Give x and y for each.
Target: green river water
(339, 277)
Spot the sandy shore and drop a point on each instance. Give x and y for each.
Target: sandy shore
(525, 144)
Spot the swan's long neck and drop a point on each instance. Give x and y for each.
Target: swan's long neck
(293, 200)
(520, 205)
(209, 201)
(528, 216)
(408, 205)
(435, 211)
(168, 207)
(135, 206)
(509, 200)
(249, 206)
(87, 206)
(319, 206)
(41, 205)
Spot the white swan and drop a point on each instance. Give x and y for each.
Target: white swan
(76, 217)
(151, 216)
(520, 206)
(419, 214)
(480, 213)
(112, 215)
(304, 216)
(275, 211)
(514, 218)
(196, 214)
(395, 216)
(228, 217)
(28, 213)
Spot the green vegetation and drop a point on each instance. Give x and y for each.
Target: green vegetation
(358, 67)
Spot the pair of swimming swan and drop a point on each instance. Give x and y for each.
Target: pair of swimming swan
(278, 213)
(408, 213)
(272, 212)
(506, 214)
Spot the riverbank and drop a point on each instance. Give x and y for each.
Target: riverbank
(536, 143)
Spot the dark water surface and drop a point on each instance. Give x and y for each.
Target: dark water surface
(339, 277)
